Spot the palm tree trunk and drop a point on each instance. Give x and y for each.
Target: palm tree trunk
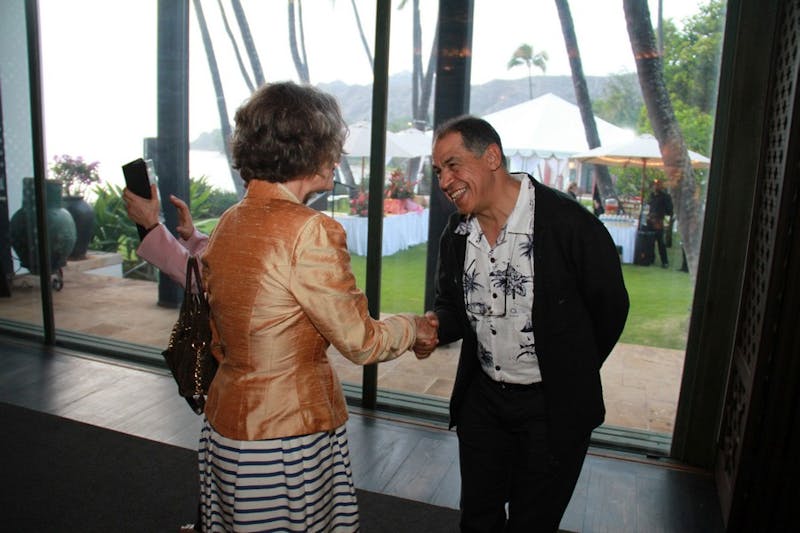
(605, 185)
(427, 84)
(685, 191)
(362, 35)
(247, 80)
(249, 45)
(416, 68)
(295, 43)
(221, 107)
(422, 84)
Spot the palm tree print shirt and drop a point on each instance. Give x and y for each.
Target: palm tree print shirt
(498, 293)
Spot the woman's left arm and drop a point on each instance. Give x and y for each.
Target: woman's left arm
(322, 281)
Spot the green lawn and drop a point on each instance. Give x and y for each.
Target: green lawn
(661, 301)
(660, 298)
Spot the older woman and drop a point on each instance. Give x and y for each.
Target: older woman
(273, 449)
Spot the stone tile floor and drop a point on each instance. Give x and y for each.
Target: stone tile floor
(641, 383)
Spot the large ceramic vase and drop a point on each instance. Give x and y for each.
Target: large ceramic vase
(83, 216)
(60, 228)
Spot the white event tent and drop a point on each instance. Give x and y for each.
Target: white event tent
(540, 135)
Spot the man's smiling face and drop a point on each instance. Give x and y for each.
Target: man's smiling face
(464, 177)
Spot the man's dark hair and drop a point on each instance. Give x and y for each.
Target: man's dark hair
(476, 133)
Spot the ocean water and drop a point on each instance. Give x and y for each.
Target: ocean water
(214, 166)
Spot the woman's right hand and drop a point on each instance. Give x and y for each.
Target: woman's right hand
(142, 211)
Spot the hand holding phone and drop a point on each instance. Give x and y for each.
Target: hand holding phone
(139, 175)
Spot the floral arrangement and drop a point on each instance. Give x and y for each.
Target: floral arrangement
(75, 173)
(398, 194)
(399, 187)
(360, 204)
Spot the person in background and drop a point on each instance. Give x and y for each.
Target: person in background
(597, 201)
(273, 449)
(660, 205)
(531, 283)
(572, 190)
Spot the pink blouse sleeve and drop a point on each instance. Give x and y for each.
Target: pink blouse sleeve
(169, 254)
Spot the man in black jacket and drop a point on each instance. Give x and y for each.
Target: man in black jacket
(660, 205)
(530, 281)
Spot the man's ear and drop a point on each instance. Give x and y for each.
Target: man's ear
(493, 157)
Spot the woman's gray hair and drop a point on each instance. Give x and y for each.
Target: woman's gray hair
(284, 131)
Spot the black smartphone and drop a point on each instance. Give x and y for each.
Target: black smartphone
(139, 174)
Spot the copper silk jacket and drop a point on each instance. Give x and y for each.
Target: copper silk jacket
(281, 291)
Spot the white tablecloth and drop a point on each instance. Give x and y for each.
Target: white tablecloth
(623, 231)
(399, 232)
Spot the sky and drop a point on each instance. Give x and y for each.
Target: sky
(99, 58)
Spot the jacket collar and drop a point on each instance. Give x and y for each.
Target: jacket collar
(544, 211)
(267, 190)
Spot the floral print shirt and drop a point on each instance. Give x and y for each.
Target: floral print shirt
(498, 293)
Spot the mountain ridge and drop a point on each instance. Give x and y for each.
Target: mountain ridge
(356, 100)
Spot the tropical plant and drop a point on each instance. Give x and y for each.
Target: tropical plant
(207, 201)
(621, 101)
(524, 55)
(219, 201)
(691, 56)
(75, 173)
(114, 231)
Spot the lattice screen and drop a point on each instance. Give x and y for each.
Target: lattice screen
(751, 328)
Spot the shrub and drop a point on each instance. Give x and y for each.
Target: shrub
(114, 231)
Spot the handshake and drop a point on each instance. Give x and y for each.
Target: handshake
(427, 334)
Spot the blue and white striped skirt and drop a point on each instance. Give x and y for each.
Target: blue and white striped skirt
(288, 484)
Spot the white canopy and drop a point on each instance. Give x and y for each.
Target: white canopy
(414, 141)
(540, 135)
(549, 126)
(407, 145)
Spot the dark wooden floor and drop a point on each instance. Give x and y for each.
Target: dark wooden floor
(615, 493)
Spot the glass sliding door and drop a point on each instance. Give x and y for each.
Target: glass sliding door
(20, 289)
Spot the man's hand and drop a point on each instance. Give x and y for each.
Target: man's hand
(185, 224)
(427, 334)
(142, 211)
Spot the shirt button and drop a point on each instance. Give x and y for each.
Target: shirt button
(491, 260)
(494, 295)
(494, 332)
(497, 367)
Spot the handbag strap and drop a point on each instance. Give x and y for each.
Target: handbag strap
(193, 271)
